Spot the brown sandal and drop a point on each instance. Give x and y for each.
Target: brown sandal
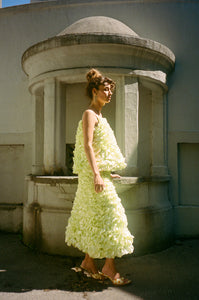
(96, 276)
(117, 281)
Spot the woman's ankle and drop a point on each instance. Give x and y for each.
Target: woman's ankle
(89, 264)
(109, 268)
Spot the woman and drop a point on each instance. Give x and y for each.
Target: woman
(98, 224)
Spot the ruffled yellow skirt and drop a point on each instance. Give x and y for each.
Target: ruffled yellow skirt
(98, 224)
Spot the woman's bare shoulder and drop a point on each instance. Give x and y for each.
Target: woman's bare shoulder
(89, 111)
(90, 115)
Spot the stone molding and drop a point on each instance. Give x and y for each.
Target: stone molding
(53, 180)
(139, 53)
(83, 38)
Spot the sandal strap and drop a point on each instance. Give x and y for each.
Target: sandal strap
(96, 276)
(117, 281)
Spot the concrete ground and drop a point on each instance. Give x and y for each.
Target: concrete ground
(26, 274)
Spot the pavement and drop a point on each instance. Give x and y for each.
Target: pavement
(27, 274)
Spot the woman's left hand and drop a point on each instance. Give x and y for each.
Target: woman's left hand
(115, 176)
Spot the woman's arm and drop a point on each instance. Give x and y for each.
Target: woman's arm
(89, 122)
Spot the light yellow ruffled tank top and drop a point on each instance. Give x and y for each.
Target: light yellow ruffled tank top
(107, 153)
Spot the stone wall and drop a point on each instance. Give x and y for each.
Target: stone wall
(172, 23)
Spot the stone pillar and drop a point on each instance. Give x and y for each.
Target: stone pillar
(60, 130)
(127, 103)
(38, 133)
(158, 163)
(54, 158)
(49, 125)
(120, 113)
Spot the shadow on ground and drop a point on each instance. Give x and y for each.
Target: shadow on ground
(169, 274)
(23, 269)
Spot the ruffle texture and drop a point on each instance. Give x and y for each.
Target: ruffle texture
(98, 224)
(107, 152)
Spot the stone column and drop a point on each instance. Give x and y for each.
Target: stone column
(49, 125)
(158, 163)
(127, 103)
(60, 130)
(54, 158)
(38, 133)
(120, 113)
(54, 127)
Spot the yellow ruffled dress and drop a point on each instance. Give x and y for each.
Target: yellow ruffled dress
(98, 224)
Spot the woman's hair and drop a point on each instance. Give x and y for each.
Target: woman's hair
(95, 79)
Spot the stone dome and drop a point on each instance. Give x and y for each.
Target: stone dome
(98, 25)
(111, 43)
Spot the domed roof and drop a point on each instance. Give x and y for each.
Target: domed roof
(98, 25)
(111, 43)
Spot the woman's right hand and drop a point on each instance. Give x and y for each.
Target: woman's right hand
(99, 183)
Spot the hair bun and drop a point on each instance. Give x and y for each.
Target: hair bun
(93, 74)
(94, 80)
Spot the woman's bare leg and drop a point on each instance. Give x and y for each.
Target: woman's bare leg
(110, 269)
(89, 264)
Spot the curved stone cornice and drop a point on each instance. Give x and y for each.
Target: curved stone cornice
(77, 39)
(96, 49)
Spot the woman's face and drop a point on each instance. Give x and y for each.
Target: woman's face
(104, 93)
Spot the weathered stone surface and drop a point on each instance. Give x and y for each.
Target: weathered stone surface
(50, 201)
(98, 24)
(53, 179)
(111, 43)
